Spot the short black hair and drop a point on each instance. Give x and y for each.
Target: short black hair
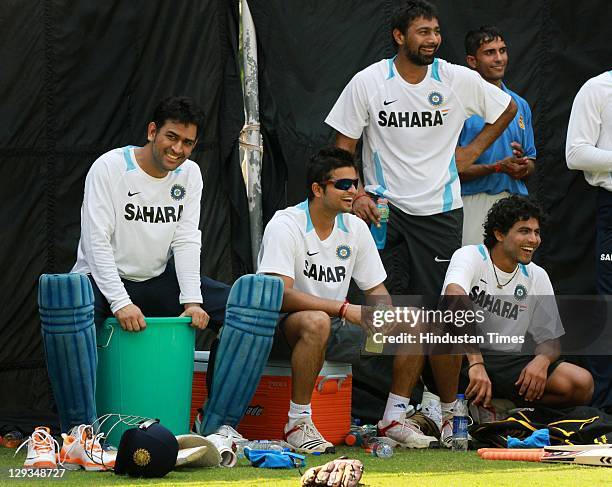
(404, 15)
(476, 38)
(180, 109)
(506, 212)
(321, 164)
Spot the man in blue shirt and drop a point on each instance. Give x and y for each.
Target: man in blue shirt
(501, 169)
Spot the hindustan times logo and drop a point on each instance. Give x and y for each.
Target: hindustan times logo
(414, 316)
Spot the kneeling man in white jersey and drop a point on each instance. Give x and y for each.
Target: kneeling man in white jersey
(317, 247)
(517, 298)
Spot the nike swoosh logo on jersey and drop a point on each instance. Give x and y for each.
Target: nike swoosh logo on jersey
(130, 194)
(438, 259)
(385, 103)
(314, 253)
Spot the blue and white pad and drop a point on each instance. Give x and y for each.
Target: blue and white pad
(244, 346)
(66, 306)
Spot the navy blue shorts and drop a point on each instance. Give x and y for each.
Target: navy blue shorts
(159, 296)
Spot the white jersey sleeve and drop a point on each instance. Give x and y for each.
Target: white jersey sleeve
(350, 113)
(186, 244)
(97, 227)
(545, 320)
(279, 249)
(369, 271)
(461, 269)
(583, 148)
(476, 96)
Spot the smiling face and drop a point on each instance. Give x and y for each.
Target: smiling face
(171, 145)
(336, 200)
(491, 60)
(521, 241)
(420, 42)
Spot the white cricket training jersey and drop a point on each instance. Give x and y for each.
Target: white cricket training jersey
(323, 268)
(525, 304)
(131, 223)
(410, 131)
(589, 133)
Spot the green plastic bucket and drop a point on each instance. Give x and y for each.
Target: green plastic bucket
(148, 373)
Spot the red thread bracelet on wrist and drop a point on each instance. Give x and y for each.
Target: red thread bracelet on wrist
(343, 308)
(360, 196)
(498, 167)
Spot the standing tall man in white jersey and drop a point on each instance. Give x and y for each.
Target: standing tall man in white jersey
(316, 248)
(589, 148)
(410, 110)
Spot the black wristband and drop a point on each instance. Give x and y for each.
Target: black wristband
(476, 363)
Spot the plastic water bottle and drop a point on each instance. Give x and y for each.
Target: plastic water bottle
(382, 450)
(380, 232)
(379, 448)
(460, 424)
(358, 435)
(354, 437)
(270, 445)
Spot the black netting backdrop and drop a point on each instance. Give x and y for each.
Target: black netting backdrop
(309, 52)
(79, 78)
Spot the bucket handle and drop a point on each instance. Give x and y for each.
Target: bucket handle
(339, 377)
(110, 336)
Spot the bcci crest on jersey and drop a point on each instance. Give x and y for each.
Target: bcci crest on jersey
(177, 192)
(343, 252)
(435, 99)
(520, 292)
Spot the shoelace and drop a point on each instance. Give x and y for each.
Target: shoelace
(311, 431)
(45, 443)
(96, 444)
(91, 443)
(411, 425)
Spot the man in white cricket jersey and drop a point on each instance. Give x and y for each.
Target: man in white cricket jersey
(316, 248)
(589, 148)
(140, 247)
(516, 298)
(142, 207)
(409, 111)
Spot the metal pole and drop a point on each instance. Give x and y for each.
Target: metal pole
(251, 148)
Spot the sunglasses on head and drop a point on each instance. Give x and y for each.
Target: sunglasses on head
(343, 184)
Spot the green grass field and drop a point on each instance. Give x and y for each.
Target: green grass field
(407, 467)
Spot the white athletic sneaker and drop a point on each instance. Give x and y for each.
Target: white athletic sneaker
(229, 432)
(446, 431)
(42, 448)
(431, 407)
(82, 449)
(305, 438)
(406, 433)
(228, 436)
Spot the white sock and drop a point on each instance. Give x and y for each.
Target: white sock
(447, 409)
(396, 407)
(298, 411)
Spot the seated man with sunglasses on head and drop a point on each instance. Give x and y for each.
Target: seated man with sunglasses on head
(316, 248)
